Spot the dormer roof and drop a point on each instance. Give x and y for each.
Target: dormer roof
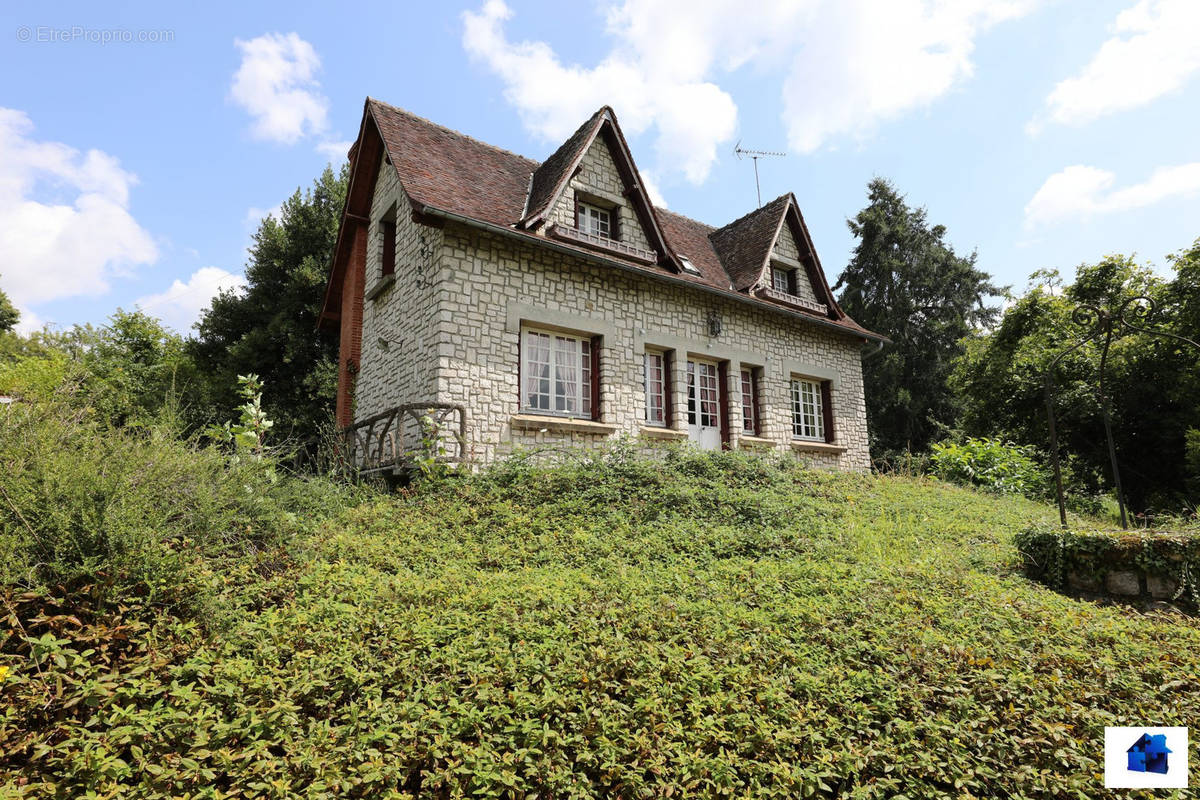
(447, 174)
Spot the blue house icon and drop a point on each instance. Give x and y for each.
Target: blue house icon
(1149, 754)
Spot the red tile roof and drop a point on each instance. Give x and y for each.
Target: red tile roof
(444, 170)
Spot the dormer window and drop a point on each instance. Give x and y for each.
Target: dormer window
(595, 221)
(783, 280)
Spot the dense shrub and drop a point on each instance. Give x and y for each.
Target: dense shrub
(991, 464)
(137, 507)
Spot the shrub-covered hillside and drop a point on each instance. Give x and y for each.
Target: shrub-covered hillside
(707, 625)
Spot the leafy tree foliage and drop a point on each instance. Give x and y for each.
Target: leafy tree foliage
(906, 282)
(270, 328)
(9, 316)
(1153, 383)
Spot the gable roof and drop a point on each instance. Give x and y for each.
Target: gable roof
(447, 174)
(744, 244)
(551, 177)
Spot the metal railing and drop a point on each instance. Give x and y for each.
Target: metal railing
(395, 439)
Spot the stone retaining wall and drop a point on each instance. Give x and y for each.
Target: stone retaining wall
(1148, 567)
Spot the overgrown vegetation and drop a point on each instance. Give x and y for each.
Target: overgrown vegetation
(705, 625)
(137, 508)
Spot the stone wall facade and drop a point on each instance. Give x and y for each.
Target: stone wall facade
(400, 315)
(491, 286)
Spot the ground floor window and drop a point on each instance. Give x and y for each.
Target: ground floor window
(556, 373)
(808, 409)
(750, 401)
(657, 400)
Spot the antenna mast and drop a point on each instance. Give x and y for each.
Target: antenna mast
(755, 155)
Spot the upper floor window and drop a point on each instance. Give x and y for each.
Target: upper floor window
(808, 409)
(387, 229)
(557, 373)
(750, 421)
(783, 280)
(596, 221)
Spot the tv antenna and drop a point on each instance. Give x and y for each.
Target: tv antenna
(740, 151)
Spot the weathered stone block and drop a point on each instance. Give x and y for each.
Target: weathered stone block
(1124, 583)
(1082, 582)
(1161, 587)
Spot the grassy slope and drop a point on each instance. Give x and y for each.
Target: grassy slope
(707, 626)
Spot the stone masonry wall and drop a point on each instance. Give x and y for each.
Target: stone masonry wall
(403, 313)
(598, 175)
(489, 284)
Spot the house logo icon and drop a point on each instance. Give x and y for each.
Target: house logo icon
(1149, 754)
(1145, 757)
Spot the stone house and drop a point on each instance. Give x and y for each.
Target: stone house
(554, 305)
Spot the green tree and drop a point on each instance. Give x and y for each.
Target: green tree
(9, 316)
(1152, 383)
(132, 368)
(270, 327)
(906, 282)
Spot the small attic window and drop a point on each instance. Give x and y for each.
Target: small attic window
(688, 266)
(596, 221)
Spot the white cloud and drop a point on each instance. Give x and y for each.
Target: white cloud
(650, 183)
(255, 215)
(1082, 191)
(1153, 51)
(181, 304)
(29, 322)
(335, 151)
(842, 67)
(78, 234)
(276, 84)
(862, 62)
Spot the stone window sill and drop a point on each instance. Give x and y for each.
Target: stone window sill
(746, 440)
(380, 285)
(816, 447)
(652, 432)
(550, 424)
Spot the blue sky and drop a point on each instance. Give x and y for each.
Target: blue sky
(139, 142)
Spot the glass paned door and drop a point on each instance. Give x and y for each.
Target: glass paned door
(704, 404)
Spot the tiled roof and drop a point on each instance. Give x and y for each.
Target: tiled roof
(743, 244)
(550, 175)
(444, 170)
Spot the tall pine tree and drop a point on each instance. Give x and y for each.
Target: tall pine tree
(906, 282)
(270, 327)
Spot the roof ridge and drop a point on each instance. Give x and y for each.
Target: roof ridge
(752, 212)
(665, 210)
(431, 123)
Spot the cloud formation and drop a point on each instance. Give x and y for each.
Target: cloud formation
(1081, 191)
(276, 84)
(65, 226)
(181, 304)
(843, 67)
(1152, 51)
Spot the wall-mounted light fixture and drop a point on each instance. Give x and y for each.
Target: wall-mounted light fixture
(714, 324)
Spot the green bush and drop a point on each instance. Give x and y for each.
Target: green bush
(136, 507)
(992, 465)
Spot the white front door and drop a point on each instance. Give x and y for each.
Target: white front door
(704, 404)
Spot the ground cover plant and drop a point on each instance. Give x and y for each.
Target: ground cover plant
(704, 625)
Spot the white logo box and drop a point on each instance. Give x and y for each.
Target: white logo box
(1117, 774)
